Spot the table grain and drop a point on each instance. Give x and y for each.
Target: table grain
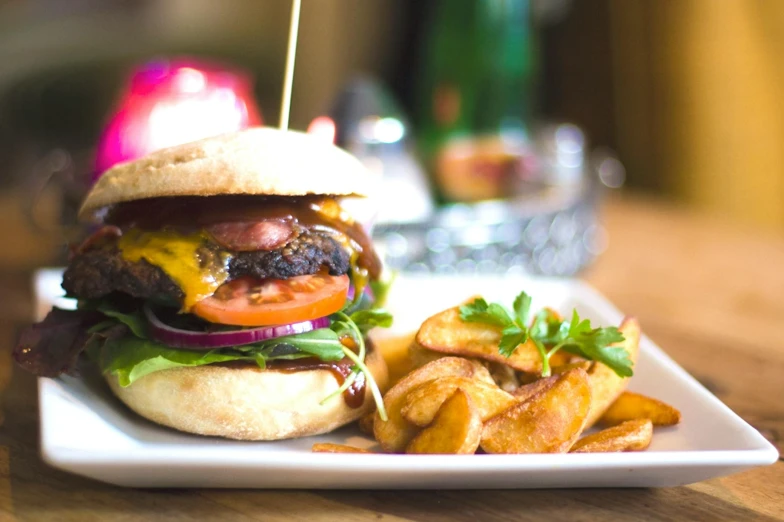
(711, 294)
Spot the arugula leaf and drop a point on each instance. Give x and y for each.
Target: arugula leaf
(550, 333)
(103, 325)
(341, 328)
(135, 321)
(322, 343)
(371, 318)
(343, 325)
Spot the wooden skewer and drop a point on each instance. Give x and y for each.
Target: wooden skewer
(291, 53)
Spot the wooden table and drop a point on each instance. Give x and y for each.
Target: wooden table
(711, 295)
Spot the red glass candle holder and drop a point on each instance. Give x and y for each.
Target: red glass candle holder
(169, 102)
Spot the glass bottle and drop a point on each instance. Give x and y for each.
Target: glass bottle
(475, 97)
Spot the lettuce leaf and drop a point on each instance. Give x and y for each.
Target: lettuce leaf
(131, 358)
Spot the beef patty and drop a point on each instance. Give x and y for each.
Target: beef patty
(98, 272)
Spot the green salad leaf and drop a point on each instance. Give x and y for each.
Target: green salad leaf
(131, 358)
(366, 320)
(323, 343)
(135, 320)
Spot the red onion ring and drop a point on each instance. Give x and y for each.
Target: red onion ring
(190, 340)
(367, 291)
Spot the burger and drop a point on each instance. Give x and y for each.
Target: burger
(224, 291)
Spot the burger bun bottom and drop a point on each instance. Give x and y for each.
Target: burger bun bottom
(246, 403)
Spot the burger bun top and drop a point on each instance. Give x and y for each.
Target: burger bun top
(258, 161)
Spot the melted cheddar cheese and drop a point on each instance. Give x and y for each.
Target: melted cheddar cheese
(186, 259)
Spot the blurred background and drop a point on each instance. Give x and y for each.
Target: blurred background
(512, 116)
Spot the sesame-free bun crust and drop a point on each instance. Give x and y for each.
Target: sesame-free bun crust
(261, 161)
(245, 403)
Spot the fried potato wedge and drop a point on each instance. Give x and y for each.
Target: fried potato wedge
(606, 385)
(366, 422)
(633, 435)
(631, 406)
(505, 377)
(396, 351)
(424, 401)
(481, 373)
(526, 391)
(420, 356)
(328, 447)
(446, 333)
(585, 365)
(395, 433)
(456, 428)
(548, 422)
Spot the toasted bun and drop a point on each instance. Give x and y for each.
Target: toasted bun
(245, 403)
(262, 161)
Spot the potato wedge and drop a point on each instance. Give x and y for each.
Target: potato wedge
(505, 377)
(395, 433)
(446, 333)
(585, 365)
(420, 356)
(631, 406)
(396, 353)
(456, 429)
(606, 385)
(526, 391)
(481, 373)
(548, 422)
(366, 422)
(424, 401)
(328, 447)
(633, 435)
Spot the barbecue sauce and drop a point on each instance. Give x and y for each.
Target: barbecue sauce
(354, 396)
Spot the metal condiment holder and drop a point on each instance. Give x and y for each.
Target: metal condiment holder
(557, 235)
(552, 229)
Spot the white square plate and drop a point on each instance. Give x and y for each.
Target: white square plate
(86, 431)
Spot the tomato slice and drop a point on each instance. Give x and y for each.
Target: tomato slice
(253, 302)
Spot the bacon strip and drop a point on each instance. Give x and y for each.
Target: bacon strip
(100, 235)
(250, 236)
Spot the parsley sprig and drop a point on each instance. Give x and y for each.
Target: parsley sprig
(550, 334)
